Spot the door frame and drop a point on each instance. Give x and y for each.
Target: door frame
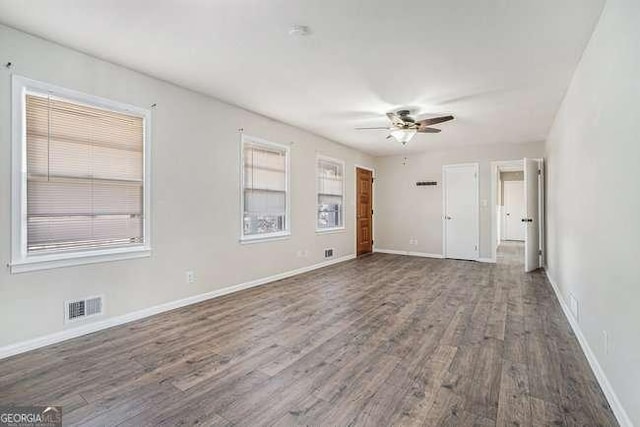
(357, 166)
(542, 212)
(495, 181)
(476, 204)
(495, 186)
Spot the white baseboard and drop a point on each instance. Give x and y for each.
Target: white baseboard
(410, 253)
(426, 255)
(32, 344)
(612, 398)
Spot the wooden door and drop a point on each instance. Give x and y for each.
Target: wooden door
(364, 211)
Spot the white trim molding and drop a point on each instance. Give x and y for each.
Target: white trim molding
(427, 255)
(409, 253)
(88, 328)
(278, 235)
(341, 164)
(21, 259)
(45, 262)
(605, 385)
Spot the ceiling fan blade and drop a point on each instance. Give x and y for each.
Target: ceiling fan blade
(395, 119)
(385, 128)
(434, 121)
(428, 130)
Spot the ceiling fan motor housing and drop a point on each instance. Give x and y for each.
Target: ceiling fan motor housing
(405, 115)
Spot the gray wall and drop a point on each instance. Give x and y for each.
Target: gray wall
(593, 197)
(405, 211)
(195, 196)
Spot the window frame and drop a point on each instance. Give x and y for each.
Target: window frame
(344, 187)
(21, 260)
(280, 235)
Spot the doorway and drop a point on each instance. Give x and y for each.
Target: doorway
(364, 211)
(461, 219)
(513, 205)
(518, 209)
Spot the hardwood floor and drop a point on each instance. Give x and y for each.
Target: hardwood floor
(381, 340)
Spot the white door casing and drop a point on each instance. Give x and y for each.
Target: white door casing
(460, 211)
(532, 220)
(514, 210)
(541, 212)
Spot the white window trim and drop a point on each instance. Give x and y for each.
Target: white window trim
(266, 237)
(21, 261)
(344, 179)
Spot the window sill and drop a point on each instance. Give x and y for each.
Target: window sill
(267, 238)
(330, 230)
(59, 260)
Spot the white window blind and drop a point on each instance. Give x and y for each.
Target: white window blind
(85, 176)
(330, 194)
(265, 188)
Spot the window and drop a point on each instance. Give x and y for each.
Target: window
(265, 189)
(330, 194)
(80, 187)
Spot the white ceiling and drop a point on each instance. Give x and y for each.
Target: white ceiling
(500, 66)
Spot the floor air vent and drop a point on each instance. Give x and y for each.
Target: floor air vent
(84, 308)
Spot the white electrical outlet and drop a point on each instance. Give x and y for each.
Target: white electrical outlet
(605, 342)
(573, 306)
(191, 277)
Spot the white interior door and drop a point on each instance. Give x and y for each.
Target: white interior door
(532, 219)
(461, 211)
(514, 210)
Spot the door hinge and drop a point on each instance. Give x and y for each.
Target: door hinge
(539, 251)
(539, 171)
(371, 212)
(372, 179)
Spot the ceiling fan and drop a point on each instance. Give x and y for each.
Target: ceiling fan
(404, 127)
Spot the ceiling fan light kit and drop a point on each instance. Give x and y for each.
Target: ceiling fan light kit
(403, 135)
(404, 127)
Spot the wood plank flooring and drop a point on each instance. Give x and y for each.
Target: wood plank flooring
(380, 340)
